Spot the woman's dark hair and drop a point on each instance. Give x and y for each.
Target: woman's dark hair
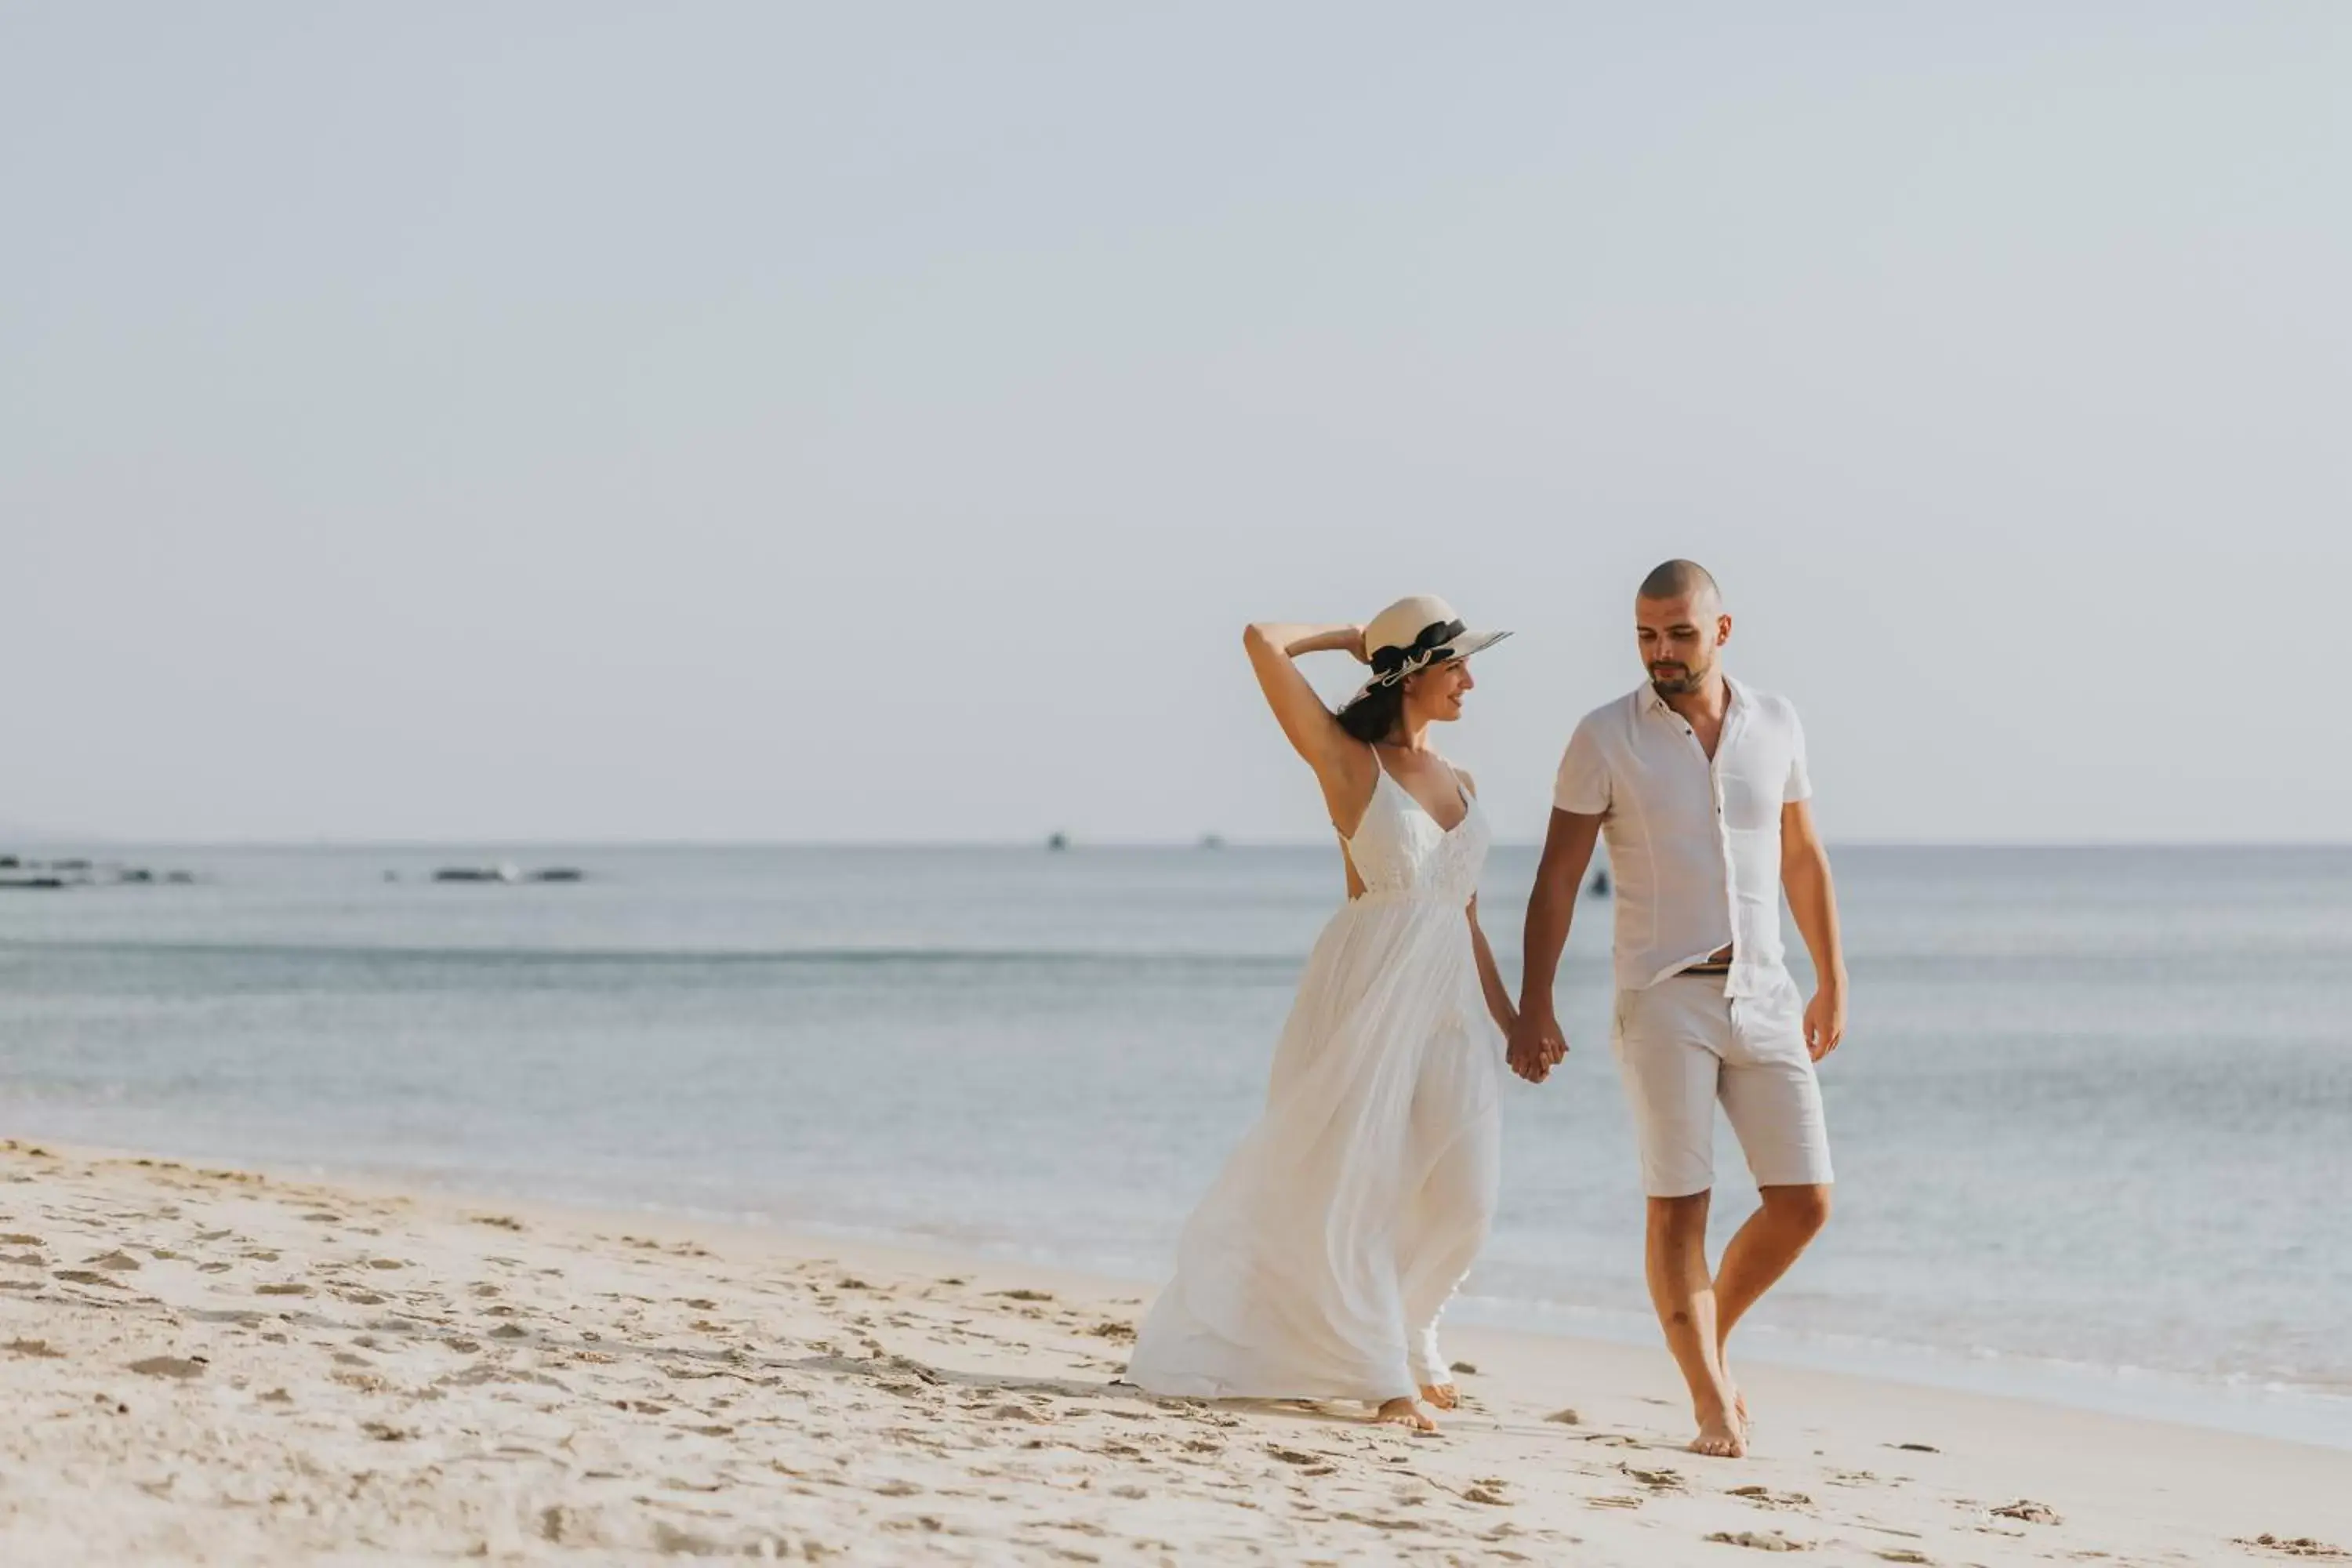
(1373, 718)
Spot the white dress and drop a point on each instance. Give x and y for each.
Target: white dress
(1317, 1264)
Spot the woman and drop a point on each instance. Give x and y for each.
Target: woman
(1317, 1264)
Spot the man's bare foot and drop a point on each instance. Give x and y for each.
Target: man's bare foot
(1403, 1411)
(1738, 1398)
(1444, 1396)
(1721, 1435)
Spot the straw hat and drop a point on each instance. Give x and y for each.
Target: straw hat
(1414, 633)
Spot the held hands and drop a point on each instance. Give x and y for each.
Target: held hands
(1537, 1045)
(1825, 1019)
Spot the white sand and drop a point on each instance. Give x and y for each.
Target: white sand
(203, 1366)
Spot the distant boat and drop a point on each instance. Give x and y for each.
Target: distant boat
(1213, 841)
(1058, 841)
(1600, 886)
(504, 871)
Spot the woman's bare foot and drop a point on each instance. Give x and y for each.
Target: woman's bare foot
(1444, 1396)
(1403, 1411)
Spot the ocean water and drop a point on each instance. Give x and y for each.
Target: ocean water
(2093, 1120)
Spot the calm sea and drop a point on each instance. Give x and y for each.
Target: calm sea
(2094, 1121)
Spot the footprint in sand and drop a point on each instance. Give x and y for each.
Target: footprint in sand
(84, 1276)
(170, 1366)
(1762, 1542)
(1657, 1480)
(2294, 1546)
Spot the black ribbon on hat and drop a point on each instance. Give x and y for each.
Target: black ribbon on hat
(1389, 663)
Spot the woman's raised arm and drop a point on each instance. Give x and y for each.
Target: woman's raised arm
(1314, 733)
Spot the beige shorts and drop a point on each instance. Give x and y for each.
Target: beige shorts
(1681, 1045)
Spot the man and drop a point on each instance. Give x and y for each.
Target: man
(1700, 785)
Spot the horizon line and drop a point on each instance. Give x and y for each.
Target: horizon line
(48, 845)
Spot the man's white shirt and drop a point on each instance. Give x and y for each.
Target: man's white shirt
(1695, 846)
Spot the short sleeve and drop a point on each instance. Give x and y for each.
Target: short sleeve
(1800, 779)
(1582, 786)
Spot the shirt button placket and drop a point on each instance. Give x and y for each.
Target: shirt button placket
(1730, 863)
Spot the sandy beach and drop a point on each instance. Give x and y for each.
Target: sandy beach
(216, 1367)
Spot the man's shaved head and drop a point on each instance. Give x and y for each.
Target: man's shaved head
(1681, 580)
(1679, 620)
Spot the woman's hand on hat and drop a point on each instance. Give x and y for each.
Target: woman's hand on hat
(1346, 639)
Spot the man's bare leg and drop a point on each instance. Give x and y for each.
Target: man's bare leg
(1762, 1250)
(1684, 1294)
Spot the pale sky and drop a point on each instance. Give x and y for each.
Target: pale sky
(575, 421)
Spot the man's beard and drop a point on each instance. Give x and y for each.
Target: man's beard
(1683, 679)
